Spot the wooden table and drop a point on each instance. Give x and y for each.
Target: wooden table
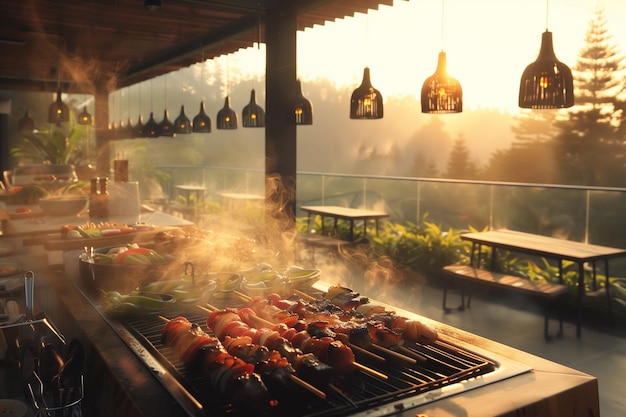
(188, 190)
(548, 247)
(344, 213)
(230, 199)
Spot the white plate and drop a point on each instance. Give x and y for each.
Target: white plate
(12, 408)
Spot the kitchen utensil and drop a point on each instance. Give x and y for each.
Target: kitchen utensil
(69, 376)
(43, 318)
(29, 292)
(50, 361)
(27, 365)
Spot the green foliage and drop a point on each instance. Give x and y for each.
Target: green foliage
(53, 146)
(423, 247)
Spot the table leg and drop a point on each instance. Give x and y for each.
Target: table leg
(472, 253)
(308, 222)
(351, 230)
(581, 294)
(494, 253)
(595, 281)
(608, 292)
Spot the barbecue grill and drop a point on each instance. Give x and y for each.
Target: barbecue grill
(448, 369)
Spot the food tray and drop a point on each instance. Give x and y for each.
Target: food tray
(145, 236)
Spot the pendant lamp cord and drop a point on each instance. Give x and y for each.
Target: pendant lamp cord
(367, 38)
(547, 12)
(258, 45)
(151, 101)
(202, 77)
(227, 72)
(442, 24)
(140, 100)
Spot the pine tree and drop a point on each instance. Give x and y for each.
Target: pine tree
(587, 148)
(460, 165)
(596, 70)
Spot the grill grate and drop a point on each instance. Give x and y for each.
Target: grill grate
(445, 364)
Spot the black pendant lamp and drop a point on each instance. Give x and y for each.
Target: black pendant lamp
(252, 114)
(440, 92)
(113, 131)
(303, 110)
(166, 128)
(202, 121)
(58, 112)
(182, 124)
(226, 117)
(84, 118)
(366, 101)
(26, 124)
(151, 128)
(127, 131)
(139, 130)
(547, 83)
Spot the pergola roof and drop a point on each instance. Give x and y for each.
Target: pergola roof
(78, 43)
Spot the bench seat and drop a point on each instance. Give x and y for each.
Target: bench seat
(313, 241)
(476, 276)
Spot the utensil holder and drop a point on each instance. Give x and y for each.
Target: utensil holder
(72, 409)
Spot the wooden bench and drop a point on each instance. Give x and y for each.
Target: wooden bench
(313, 241)
(476, 276)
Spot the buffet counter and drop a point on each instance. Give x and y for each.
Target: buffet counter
(118, 382)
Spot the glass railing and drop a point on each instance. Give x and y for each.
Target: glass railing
(594, 215)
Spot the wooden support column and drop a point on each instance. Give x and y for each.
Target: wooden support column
(280, 130)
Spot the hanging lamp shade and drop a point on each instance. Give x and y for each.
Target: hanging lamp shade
(127, 130)
(113, 132)
(139, 130)
(166, 128)
(182, 124)
(26, 124)
(252, 114)
(547, 83)
(202, 121)
(151, 128)
(366, 101)
(226, 117)
(58, 112)
(84, 118)
(303, 110)
(440, 92)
